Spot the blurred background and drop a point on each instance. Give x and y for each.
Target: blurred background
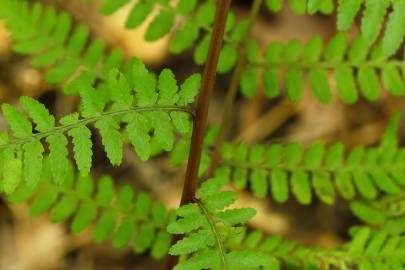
(37, 244)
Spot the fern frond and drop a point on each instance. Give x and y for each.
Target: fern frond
(150, 115)
(368, 249)
(373, 19)
(123, 217)
(52, 41)
(205, 226)
(324, 170)
(195, 20)
(375, 249)
(356, 67)
(302, 6)
(386, 213)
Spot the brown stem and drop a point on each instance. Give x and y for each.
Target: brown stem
(232, 91)
(200, 120)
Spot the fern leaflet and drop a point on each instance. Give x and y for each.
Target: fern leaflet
(45, 34)
(372, 21)
(356, 68)
(116, 215)
(149, 115)
(203, 240)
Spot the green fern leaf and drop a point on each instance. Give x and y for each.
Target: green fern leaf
(167, 86)
(271, 84)
(365, 185)
(189, 90)
(110, 6)
(180, 152)
(369, 83)
(19, 124)
(274, 5)
(336, 48)
(184, 38)
(159, 213)
(227, 58)
(313, 50)
(201, 50)
(253, 52)
(186, 6)
(124, 232)
(301, 187)
(181, 121)
(314, 6)
(113, 60)
(298, 6)
(259, 183)
(359, 50)
(143, 205)
(385, 183)
(161, 245)
(291, 52)
(320, 85)
(203, 260)
(366, 213)
(219, 201)
(62, 27)
(91, 104)
(43, 203)
(145, 238)
(105, 226)
(138, 133)
(144, 83)
(346, 85)
(347, 10)
(84, 217)
(62, 72)
(163, 130)
(125, 197)
(372, 19)
(82, 146)
(33, 154)
(314, 155)
(249, 82)
(185, 225)
(359, 241)
(345, 186)
(192, 243)
(323, 187)
(248, 259)
(105, 190)
(78, 39)
(294, 84)
(38, 113)
(120, 90)
(94, 53)
(160, 25)
(240, 30)
(109, 130)
(392, 80)
(138, 14)
(205, 14)
(12, 171)
(63, 209)
(334, 155)
(279, 185)
(58, 156)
